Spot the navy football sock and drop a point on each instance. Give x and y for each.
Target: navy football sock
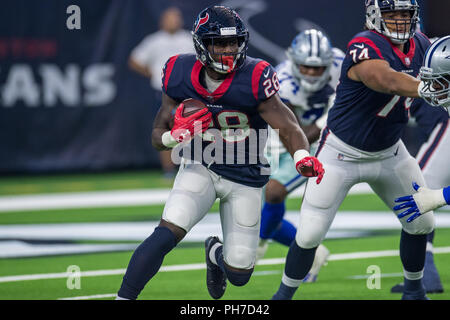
(284, 292)
(430, 237)
(412, 255)
(146, 261)
(271, 216)
(413, 285)
(412, 251)
(298, 264)
(285, 234)
(299, 261)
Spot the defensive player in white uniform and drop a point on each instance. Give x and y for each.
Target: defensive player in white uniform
(434, 154)
(308, 80)
(361, 142)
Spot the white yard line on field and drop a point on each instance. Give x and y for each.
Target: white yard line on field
(113, 198)
(95, 296)
(382, 275)
(200, 266)
(333, 257)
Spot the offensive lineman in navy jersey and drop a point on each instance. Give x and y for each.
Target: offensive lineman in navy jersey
(361, 142)
(241, 97)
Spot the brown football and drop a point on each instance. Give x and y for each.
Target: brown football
(191, 106)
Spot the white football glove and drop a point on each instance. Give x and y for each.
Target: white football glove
(419, 203)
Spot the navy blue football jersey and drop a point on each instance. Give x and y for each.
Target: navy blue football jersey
(427, 117)
(234, 111)
(366, 119)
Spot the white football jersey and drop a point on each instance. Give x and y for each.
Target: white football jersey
(308, 106)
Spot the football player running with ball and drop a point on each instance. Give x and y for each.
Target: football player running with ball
(240, 93)
(361, 142)
(308, 80)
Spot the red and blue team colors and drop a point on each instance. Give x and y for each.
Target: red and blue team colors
(234, 111)
(359, 114)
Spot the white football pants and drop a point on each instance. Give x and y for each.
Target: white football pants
(389, 173)
(194, 192)
(434, 155)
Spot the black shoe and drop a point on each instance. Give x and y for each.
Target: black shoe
(431, 278)
(415, 295)
(398, 288)
(216, 280)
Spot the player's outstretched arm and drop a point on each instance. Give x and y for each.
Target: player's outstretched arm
(421, 202)
(379, 76)
(280, 117)
(162, 123)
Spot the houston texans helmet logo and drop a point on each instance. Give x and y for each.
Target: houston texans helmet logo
(202, 21)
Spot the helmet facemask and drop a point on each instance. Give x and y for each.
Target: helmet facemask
(436, 89)
(311, 83)
(311, 49)
(401, 29)
(213, 27)
(219, 61)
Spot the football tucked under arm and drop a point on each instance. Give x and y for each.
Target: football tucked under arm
(191, 117)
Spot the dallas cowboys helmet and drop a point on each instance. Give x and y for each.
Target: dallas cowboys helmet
(217, 24)
(435, 73)
(311, 48)
(375, 21)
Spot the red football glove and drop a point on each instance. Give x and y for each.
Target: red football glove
(183, 127)
(310, 167)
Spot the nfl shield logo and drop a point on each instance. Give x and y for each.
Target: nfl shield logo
(407, 61)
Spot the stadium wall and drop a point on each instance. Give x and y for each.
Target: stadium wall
(68, 100)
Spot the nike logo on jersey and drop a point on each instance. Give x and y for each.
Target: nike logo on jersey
(396, 152)
(266, 74)
(359, 46)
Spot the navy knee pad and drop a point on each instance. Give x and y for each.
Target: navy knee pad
(238, 278)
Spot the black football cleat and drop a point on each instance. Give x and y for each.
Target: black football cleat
(216, 280)
(398, 288)
(436, 288)
(415, 295)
